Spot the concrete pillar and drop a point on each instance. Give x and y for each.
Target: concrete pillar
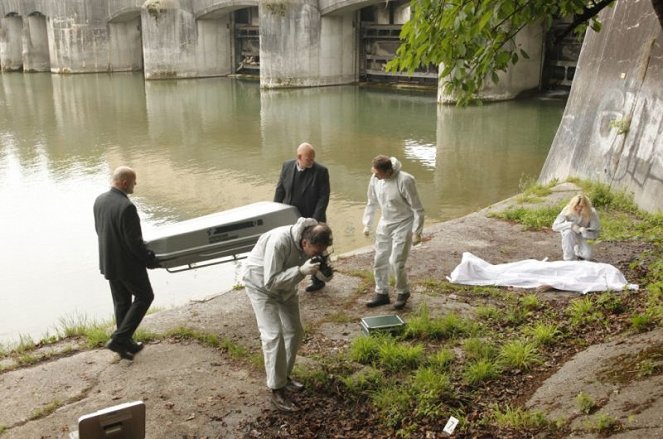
(126, 45)
(35, 44)
(213, 46)
(169, 39)
(338, 49)
(11, 43)
(525, 75)
(300, 48)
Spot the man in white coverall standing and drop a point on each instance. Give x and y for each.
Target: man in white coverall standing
(279, 261)
(400, 226)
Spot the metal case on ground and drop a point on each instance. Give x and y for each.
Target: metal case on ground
(391, 324)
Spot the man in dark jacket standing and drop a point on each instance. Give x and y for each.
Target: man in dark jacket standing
(304, 183)
(123, 258)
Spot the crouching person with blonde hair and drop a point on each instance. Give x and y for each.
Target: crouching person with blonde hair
(577, 223)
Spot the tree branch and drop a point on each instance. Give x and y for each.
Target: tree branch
(658, 8)
(585, 16)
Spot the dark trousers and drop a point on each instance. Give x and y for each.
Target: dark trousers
(129, 313)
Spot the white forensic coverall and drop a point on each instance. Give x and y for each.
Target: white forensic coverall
(574, 244)
(402, 215)
(271, 275)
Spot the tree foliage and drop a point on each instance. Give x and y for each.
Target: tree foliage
(473, 40)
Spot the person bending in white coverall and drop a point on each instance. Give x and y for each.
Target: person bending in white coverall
(577, 223)
(395, 192)
(279, 261)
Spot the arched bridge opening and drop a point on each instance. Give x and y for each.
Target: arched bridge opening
(125, 40)
(231, 29)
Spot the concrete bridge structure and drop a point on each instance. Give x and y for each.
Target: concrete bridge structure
(296, 43)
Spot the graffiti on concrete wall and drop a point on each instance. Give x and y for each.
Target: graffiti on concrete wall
(629, 137)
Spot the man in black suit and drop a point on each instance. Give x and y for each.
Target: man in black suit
(304, 183)
(123, 259)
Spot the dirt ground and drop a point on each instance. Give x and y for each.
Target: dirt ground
(195, 391)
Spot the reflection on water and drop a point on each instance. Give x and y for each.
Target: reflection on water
(201, 146)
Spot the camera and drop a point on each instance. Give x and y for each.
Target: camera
(326, 271)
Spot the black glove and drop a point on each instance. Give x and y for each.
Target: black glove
(152, 261)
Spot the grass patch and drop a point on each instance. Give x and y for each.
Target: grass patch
(442, 359)
(386, 352)
(481, 371)
(531, 191)
(46, 410)
(517, 418)
(367, 378)
(530, 302)
(488, 313)
(605, 424)
(341, 317)
(422, 326)
(478, 349)
(393, 404)
(395, 356)
(365, 349)
(429, 387)
(542, 334)
(531, 219)
(25, 344)
(518, 354)
(582, 312)
(366, 277)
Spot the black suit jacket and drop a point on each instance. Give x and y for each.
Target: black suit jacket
(311, 196)
(123, 254)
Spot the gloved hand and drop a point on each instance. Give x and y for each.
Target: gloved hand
(367, 231)
(309, 267)
(575, 228)
(152, 262)
(416, 238)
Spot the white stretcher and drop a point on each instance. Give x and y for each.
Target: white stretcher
(219, 237)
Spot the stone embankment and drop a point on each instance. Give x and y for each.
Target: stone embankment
(195, 391)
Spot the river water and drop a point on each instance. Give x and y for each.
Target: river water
(206, 145)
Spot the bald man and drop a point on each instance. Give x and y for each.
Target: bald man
(123, 259)
(304, 183)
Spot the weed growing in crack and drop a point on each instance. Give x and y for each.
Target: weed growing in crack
(585, 403)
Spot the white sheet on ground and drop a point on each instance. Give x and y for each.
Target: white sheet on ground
(578, 276)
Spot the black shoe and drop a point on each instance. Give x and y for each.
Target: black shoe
(294, 386)
(378, 300)
(401, 300)
(135, 346)
(120, 348)
(316, 284)
(281, 401)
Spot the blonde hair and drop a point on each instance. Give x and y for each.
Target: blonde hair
(579, 200)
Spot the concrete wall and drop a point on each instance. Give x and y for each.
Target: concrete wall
(612, 128)
(77, 36)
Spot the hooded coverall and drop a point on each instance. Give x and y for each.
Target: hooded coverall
(271, 276)
(402, 216)
(574, 244)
